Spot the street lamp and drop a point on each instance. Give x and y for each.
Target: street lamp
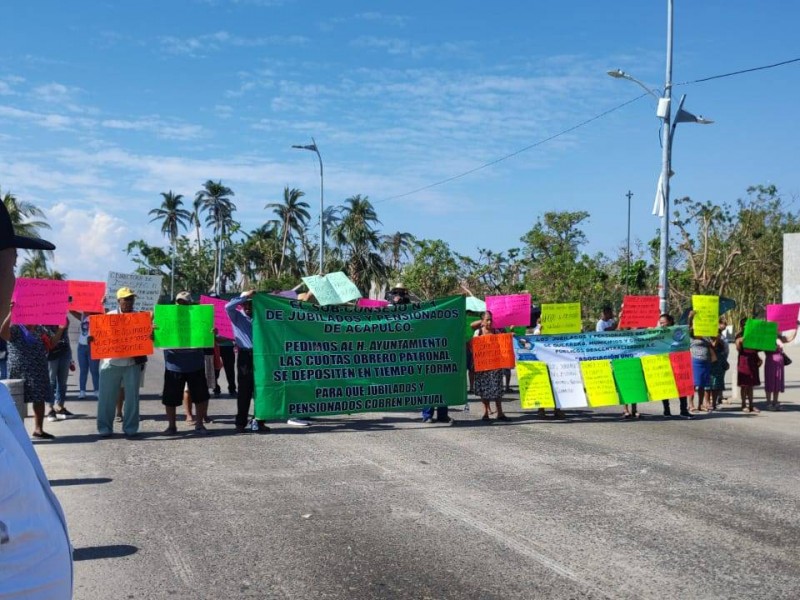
(663, 112)
(629, 195)
(313, 147)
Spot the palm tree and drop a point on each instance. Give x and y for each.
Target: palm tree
(360, 242)
(397, 246)
(172, 218)
(26, 218)
(214, 200)
(36, 267)
(293, 215)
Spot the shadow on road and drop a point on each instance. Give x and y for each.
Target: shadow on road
(80, 481)
(98, 552)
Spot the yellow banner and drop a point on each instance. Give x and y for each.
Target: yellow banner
(534, 385)
(658, 376)
(706, 315)
(561, 318)
(599, 383)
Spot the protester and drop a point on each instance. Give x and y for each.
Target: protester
(489, 384)
(59, 361)
(35, 553)
(86, 364)
(747, 370)
(666, 320)
(185, 368)
(116, 372)
(242, 321)
(720, 366)
(703, 356)
(607, 321)
(27, 360)
(774, 368)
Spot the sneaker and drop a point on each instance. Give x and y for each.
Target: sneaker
(446, 421)
(95, 394)
(685, 414)
(63, 414)
(427, 420)
(297, 423)
(52, 416)
(82, 394)
(118, 419)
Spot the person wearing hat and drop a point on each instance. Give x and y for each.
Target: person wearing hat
(185, 368)
(36, 555)
(116, 372)
(399, 294)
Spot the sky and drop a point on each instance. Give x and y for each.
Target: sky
(104, 105)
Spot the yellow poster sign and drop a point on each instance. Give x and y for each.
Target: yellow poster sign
(534, 385)
(659, 377)
(706, 315)
(598, 380)
(561, 318)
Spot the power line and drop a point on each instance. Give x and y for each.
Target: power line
(515, 153)
(772, 66)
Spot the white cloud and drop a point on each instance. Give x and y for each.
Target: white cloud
(203, 44)
(55, 93)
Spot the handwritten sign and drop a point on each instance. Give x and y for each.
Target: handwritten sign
(785, 315)
(222, 322)
(183, 326)
(682, 371)
(561, 318)
(369, 303)
(40, 302)
(494, 351)
(507, 311)
(146, 287)
(598, 381)
(639, 312)
(535, 390)
(333, 288)
(658, 376)
(86, 296)
(706, 315)
(121, 335)
(760, 335)
(475, 305)
(629, 377)
(567, 384)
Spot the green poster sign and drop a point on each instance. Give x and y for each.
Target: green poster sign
(629, 377)
(760, 335)
(183, 326)
(327, 360)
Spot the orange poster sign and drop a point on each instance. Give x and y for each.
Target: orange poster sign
(491, 352)
(121, 335)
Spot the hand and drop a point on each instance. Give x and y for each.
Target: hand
(248, 294)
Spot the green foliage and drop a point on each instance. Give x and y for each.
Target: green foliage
(434, 271)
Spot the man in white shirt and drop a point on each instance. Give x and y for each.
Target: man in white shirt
(607, 321)
(35, 553)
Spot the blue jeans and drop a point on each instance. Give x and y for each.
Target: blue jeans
(59, 371)
(86, 366)
(441, 413)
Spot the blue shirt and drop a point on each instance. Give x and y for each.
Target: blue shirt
(242, 324)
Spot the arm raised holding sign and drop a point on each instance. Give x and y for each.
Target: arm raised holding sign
(489, 384)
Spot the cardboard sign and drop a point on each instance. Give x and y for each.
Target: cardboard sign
(682, 371)
(86, 296)
(369, 303)
(146, 287)
(658, 376)
(475, 305)
(333, 288)
(222, 323)
(706, 316)
(760, 335)
(121, 335)
(40, 302)
(507, 311)
(785, 315)
(629, 377)
(567, 384)
(494, 351)
(639, 312)
(535, 390)
(598, 381)
(183, 326)
(561, 318)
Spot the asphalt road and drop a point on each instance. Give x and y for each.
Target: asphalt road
(384, 506)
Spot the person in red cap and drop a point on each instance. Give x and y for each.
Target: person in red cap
(35, 552)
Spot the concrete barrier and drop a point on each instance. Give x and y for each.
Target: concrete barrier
(18, 394)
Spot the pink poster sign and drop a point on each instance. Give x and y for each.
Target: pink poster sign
(221, 321)
(40, 302)
(508, 311)
(369, 303)
(785, 315)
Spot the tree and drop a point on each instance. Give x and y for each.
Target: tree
(214, 200)
(26, 218)
(434, 271)
(359, 241)
(395, 247)
(293, 216)
(172, 218)
(35, 267)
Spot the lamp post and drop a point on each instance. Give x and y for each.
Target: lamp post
(629, 195)
(313, 147)
(663, 112)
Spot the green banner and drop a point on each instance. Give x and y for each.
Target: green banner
(326, 360)
(183, 326)
(760, 335)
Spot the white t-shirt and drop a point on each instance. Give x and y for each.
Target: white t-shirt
(605, 325)
(35, 553)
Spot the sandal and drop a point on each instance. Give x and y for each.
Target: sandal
(502, 417)
(43, 435)
(485, 418)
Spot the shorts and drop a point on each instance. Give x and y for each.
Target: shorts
(701, 372)
(174, 384)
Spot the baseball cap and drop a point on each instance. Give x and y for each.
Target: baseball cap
(9, 240)
(125, 292)
(184, 297)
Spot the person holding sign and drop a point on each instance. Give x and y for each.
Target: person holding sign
(747, 370)
(774, 367)
(116, 372)
(720, 366)
(666, 320)
(185, 368)
(86, 364)
(607, 321)
(489, 384)
(703, 355)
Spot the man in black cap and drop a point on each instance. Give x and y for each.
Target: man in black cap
(34, 542)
